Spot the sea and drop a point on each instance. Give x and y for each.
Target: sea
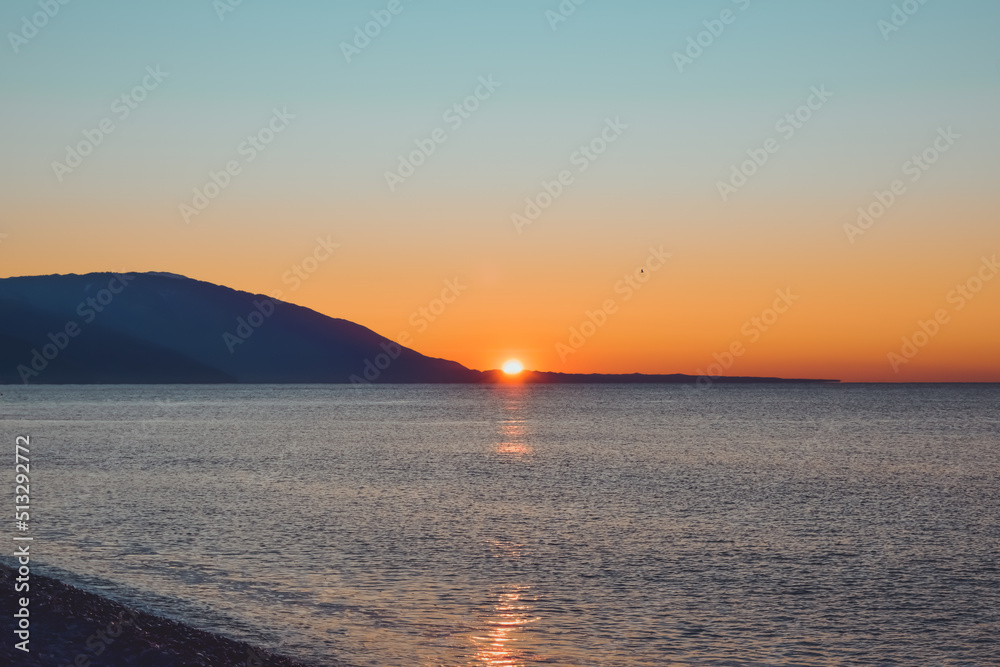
(522, 525)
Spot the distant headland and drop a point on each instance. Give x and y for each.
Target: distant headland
(163, 328)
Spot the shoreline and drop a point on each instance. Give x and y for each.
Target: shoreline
(70, 626)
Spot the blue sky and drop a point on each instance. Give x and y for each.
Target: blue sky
(608, 59)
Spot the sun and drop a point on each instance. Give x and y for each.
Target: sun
(512, 367)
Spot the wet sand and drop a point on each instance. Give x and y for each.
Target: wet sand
(69, 626)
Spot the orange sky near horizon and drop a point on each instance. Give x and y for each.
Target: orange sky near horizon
(521, 296)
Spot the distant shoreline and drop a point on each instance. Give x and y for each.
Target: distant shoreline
(156, 328)
(527, 377)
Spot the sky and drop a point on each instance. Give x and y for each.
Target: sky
(786, 188)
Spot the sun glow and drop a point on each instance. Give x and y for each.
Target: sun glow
(512, 367)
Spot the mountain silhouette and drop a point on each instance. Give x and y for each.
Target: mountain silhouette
(153, 328)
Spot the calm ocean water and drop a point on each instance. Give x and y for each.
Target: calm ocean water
(546, 525)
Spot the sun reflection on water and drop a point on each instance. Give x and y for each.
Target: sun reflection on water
(502, 643)
(513, 435)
